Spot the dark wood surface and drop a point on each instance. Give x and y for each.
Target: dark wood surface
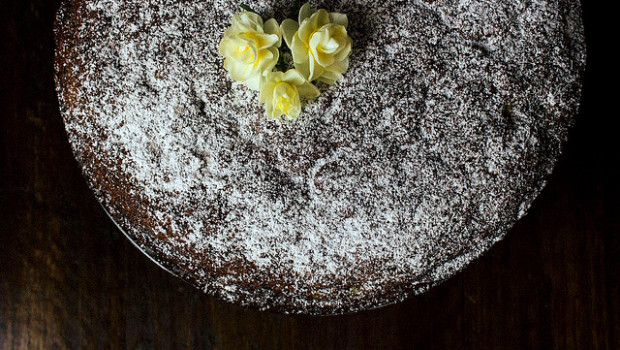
(69, 279)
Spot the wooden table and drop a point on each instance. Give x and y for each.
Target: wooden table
(69, 279)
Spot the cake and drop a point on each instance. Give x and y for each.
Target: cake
(438, 138)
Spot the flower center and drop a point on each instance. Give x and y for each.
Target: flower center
(285, 97)
(326, 42)
(247, 48)
(244, 53)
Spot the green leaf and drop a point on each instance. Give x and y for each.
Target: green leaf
(246, 7)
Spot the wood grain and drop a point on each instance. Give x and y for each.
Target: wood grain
(70, 280)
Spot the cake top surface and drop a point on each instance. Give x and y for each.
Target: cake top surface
(436, 141)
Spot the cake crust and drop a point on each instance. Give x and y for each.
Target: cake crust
(436, 141)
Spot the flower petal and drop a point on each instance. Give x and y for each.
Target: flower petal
(250, 19)
(299, 50)
(322, 18)
(260, 40)
(271, 27)
(315, 69)
(305, 30)
(253, 82)
(303, 68)
(314, 42)
(267, 59)
(330, 77)
(338, 18)
(227, 48)
(339, 67)
(247, 22)
(293, 113)
(293, 76)
(271, 112)
(308, 90)
(266, 90)
(345, 51)
(238, 71)
(305, 11)
(288, 29)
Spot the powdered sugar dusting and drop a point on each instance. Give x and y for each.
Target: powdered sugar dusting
(438, 138)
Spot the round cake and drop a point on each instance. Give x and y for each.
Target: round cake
(438, 138)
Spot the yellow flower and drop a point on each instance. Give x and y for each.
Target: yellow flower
(250, 48)
(319, 43)
(281, 93)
